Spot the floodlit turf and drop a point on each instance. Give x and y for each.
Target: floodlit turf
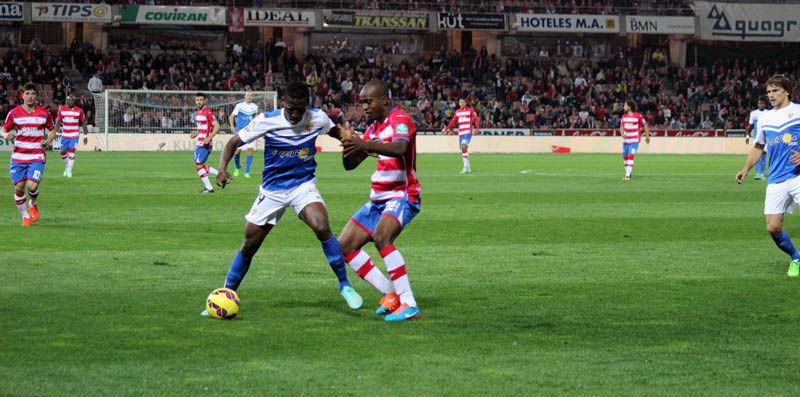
(536, 275)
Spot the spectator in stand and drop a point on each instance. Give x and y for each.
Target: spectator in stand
(95, 85)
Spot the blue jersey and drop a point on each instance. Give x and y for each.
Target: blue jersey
(244, 112)
(288, 149)
(779, 131)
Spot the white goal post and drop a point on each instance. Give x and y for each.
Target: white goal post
(132, 120)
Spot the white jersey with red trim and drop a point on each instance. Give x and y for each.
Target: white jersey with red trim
(205, 121)
(632, 124)
(30, 133)
(71, 119)
(395, 177)
(465, 117)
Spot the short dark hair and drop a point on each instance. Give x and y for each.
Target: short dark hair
(200, 94)
(631, 104)
(297, 90)
(782, 81)
(30, 87)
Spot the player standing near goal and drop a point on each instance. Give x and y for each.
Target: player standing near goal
(207, 128)
(778, 131)
(465, 116)
(631, 126)
(288, 180)
(28, 157)
(761, 164)
(394, 199)
(240, 117)
(70, 120)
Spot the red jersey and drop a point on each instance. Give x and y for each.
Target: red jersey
(395, 177)
(205, 122)
(632, 124)
(465, 117)
(71, 119)
(30, 133)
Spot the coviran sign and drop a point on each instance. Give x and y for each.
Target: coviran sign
(174, 15)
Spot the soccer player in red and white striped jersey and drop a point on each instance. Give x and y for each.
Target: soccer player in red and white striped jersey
(466, 117)
(630, 127)
(27, 160)
(394, 199)
(207, 128)
(71, 120)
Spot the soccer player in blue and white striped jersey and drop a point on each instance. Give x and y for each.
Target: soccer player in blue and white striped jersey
(778, 131)
(288, 180)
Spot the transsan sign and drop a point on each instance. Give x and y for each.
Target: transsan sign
(659, 25)
(266, 17)
(174, 15)
(68, 12)
(11, 12)
(566, 23)
(375, 20)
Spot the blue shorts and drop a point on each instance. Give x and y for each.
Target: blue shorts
(402, 210)
(464, 139)
(26, 171)
(629, 149)
(68, 143)
(201, 154)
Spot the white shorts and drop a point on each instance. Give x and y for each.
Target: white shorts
(781, 197)
(270, 204)
(251, 145)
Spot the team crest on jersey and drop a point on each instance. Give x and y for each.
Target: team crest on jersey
(789, 139)
(402, 129)
(251, 125)
(309, 126)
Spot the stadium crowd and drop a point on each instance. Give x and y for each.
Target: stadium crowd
(552, 85)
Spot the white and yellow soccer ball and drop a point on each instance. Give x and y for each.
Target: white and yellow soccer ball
(222, 303)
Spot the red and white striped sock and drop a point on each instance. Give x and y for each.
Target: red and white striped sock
(362, 264)
(201, 171)
(22, 205)
(396, 266)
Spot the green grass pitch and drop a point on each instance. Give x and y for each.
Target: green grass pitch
(536, 275)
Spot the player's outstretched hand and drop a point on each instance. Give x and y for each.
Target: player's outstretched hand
(223, 177)
(747, 140)
(86, 140)
(740, 176)
(647, 140)
(795, 157)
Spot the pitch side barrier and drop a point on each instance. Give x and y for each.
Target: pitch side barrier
(489, 140)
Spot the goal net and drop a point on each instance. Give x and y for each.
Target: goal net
(162, 120)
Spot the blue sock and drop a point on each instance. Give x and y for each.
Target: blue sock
(333, 252)
(785, 244)
(238, 269)
(247, 164)
(236, 161)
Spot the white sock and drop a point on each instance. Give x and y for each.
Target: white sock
(207, 183)
(212, 170)
(396, 266)
(22, 205)
(362, 264)
(465, 158)
(628, 170)
(70, 163)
